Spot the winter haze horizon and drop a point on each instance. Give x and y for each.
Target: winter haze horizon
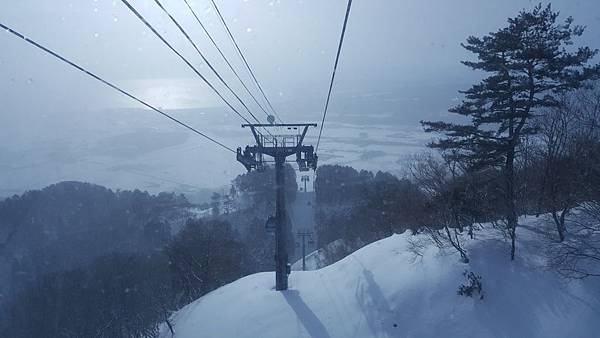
(400, 64)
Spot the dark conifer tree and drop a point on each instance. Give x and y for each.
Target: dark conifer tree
(529, 62)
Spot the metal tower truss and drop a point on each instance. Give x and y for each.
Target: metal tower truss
(279, 146)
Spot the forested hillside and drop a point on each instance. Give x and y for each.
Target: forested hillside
(81, 258)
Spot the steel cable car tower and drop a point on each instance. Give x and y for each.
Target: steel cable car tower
(279, 146)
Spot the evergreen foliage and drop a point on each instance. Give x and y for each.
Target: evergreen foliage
(530, 63)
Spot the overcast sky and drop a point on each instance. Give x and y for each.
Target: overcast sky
(391, 46)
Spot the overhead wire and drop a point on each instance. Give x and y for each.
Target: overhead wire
(244, 60)
(109, 84)
(141, 17)
(187, 36)
(337, 59)
(224, 57)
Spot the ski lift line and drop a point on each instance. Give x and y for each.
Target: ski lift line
(109, 84)
(337, 59)
(244, 59)
(141, 17)
(225, 58)
(187, 36)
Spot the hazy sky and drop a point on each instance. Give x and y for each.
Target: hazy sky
(392, 46)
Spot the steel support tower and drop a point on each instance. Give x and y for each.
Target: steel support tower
(305, 235)
(279, 147)
(305, 179)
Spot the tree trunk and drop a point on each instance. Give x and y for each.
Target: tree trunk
(511, 212)
(559, 220)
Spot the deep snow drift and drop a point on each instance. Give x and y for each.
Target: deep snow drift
(384, 290)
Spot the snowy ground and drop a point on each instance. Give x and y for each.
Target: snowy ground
(382, 290)
(322, 257)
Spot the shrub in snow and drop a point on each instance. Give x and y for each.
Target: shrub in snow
(577, 256)
(473, 285)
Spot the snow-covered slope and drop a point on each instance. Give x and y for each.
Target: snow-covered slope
(322, 257)
(382, 290)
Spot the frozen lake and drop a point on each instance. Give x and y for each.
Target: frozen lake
(126, 147)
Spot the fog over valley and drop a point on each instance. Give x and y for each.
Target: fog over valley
(400, 66)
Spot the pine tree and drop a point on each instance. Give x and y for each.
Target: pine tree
(529, 62)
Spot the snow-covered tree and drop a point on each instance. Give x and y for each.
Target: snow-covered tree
(529, 62)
